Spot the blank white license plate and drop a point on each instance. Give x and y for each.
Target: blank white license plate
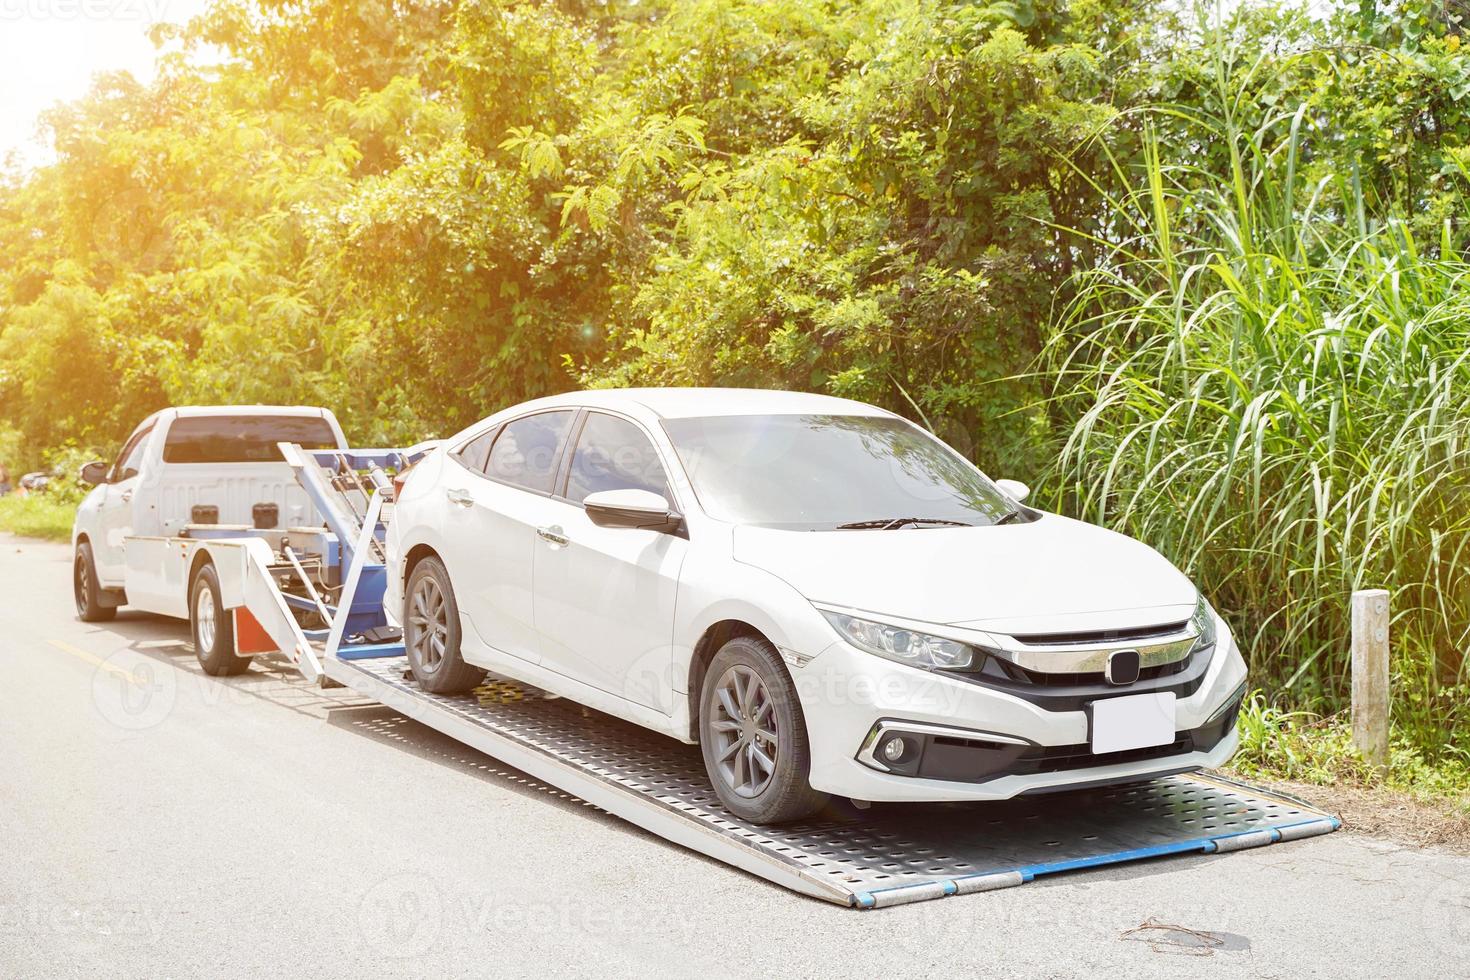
(1138, 721)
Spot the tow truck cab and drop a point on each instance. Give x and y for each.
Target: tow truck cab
(186, 467)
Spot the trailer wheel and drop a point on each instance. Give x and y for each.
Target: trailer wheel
(213, 627)
(86, 588)
(431, 632)
(753, 735)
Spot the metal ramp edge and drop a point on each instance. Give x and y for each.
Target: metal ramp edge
(870, 861)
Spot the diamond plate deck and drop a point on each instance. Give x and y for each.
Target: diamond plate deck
(887, 855)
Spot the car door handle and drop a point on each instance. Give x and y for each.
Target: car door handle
(461, 497)
(552, 535)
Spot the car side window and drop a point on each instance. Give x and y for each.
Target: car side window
(526, 451)
(131, 456)
(476, 452)
(614, 454)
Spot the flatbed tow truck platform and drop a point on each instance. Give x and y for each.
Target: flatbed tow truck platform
(886, 855)
(882, 856)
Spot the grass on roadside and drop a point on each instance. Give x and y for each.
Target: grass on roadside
(1301, 747)
(1276, 395)
(37, 517)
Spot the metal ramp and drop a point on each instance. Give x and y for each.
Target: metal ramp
(888, 855)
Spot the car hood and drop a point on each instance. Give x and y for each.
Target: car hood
(1052, 574)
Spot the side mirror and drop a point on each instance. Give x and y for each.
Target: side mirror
(631, 508)
(1014, 489)
(94, 473)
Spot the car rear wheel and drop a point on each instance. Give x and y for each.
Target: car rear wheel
(753, 735)
(86, 589)
(213, 627)
(431, 632)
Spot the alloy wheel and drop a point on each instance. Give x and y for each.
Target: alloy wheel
(747, 742)
(81, 581)
(428, 615)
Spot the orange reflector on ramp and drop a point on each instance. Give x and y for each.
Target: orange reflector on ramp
(250, 636)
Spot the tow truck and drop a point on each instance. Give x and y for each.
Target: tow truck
(314, 594)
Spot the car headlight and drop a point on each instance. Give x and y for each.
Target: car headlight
(904, 646)
(1203, 622)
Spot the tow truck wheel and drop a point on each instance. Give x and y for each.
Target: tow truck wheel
(431, 632)
(87, 590)
(753, 735)
(213, 627)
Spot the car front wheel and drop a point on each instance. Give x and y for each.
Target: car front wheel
(753, 735)
(86, 589)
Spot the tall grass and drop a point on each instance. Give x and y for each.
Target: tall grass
(1275, 391)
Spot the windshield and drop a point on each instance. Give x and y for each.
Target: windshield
(820, 472)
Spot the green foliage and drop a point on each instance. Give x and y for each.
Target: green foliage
(1308, 748)
(1275, 391)
(891, 239)
(37, 516)
(64, 466)
(11, 443)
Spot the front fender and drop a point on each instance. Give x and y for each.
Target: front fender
(711, 592)
(86, 522)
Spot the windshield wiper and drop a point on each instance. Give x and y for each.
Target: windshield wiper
(894, 523)
(1007, 518)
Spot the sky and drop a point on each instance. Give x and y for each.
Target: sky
(50, 49)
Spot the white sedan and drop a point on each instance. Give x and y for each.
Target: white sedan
(822, 595)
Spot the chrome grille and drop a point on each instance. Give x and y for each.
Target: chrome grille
(1087, 637)
(1156, 646)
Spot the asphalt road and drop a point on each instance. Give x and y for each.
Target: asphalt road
(156, 822)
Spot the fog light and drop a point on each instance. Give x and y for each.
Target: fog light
(894, 749)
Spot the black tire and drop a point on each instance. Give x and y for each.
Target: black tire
(212, 627)
(784, 794)
(86, 590)
(432, 634)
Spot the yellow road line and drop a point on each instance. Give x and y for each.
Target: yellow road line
(94, 660)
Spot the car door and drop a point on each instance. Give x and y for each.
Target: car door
(497, 493)
(115, 514)
(605, 596)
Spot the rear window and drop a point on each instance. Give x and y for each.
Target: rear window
(243, 438)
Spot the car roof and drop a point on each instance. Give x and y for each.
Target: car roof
(676, 403)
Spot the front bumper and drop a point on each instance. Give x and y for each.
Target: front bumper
(846, 694)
